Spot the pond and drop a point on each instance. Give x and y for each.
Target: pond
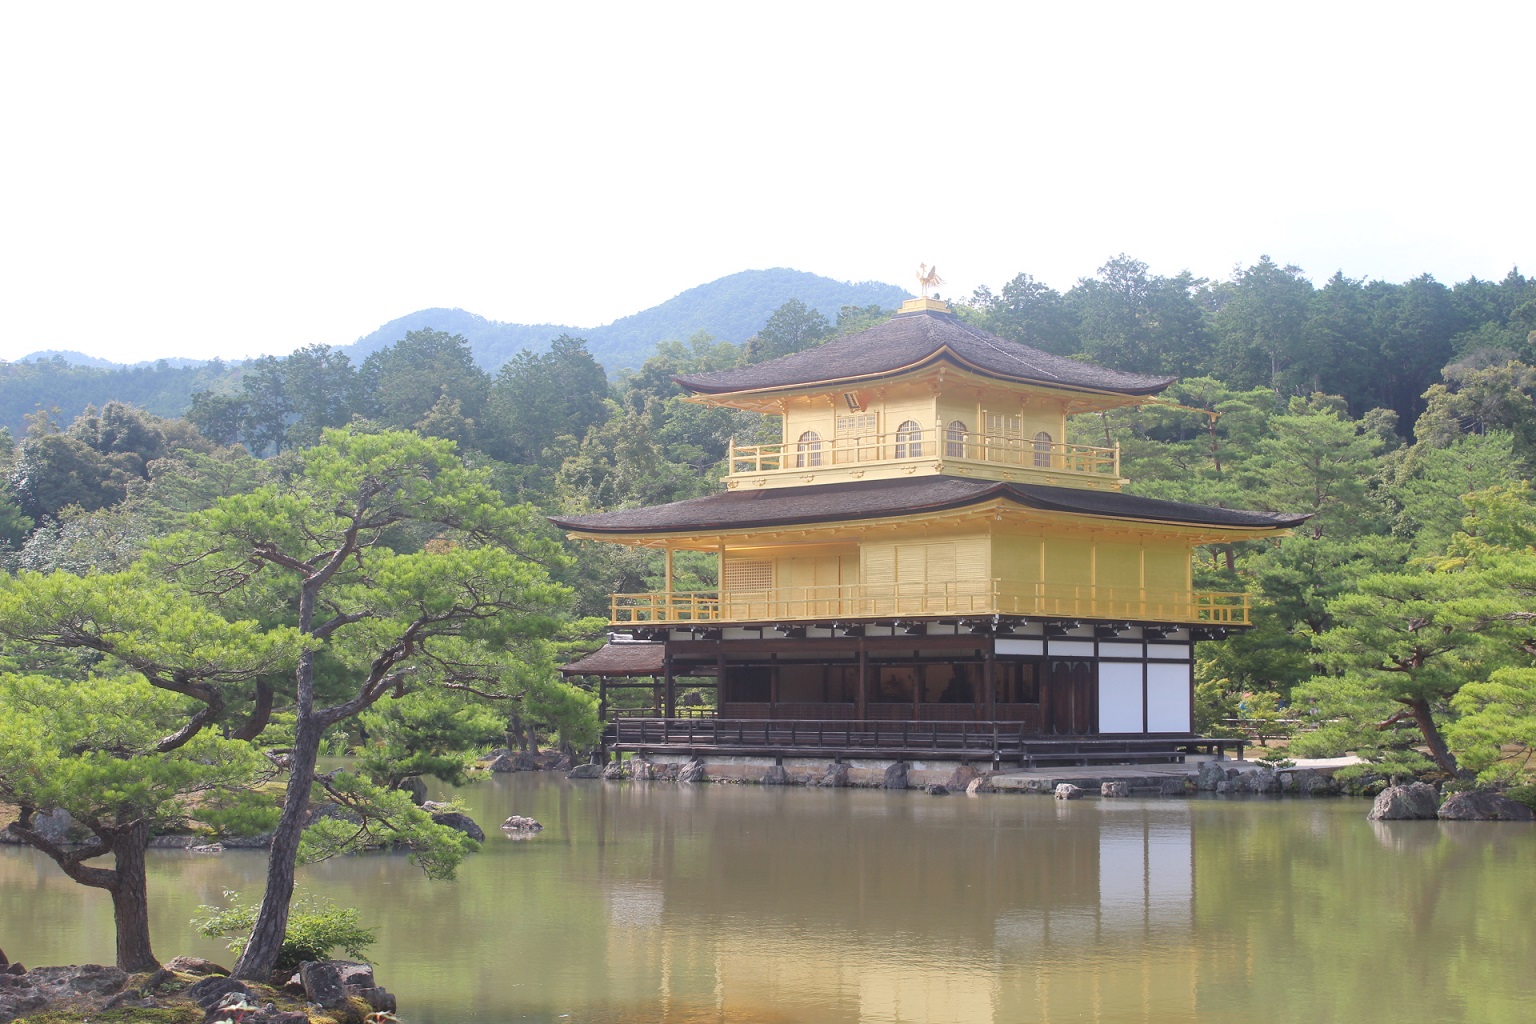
(653, 902)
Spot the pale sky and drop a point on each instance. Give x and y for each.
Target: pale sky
(231, 179)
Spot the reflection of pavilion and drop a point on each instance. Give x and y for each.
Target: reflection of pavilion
(1022, 916)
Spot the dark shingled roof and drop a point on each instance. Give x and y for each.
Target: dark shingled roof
(915, 339)
(872, 499)
(627, 659)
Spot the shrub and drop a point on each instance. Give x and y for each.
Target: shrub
(315, 927)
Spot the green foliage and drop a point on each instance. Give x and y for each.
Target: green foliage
(427, 733)
(91, 747)
(370, 817)
(316, 927)
(1331, 739)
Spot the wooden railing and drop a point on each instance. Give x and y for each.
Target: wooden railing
(1004, 741)
(966, 597)
(931, 444)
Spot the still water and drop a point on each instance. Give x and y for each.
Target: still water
(664, 903)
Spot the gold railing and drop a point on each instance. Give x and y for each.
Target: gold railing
(941, 444)
(970, 597)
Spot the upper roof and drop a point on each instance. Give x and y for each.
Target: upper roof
(874, 499)
(910, 341)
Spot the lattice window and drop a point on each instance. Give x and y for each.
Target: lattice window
(858, 425)
(909, 440)
(741, 575)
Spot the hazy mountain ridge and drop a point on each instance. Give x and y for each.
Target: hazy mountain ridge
(732, 308)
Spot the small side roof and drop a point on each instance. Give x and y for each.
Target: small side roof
(635, 658)
(874, 499)
(910, 341)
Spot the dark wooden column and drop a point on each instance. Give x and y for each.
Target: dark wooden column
(669, 688)
(989, 684)
(861, 697)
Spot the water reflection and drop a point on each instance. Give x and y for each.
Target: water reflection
(733, 903)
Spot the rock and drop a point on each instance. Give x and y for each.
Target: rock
(210, 993)
(85, 980)
(1067, 791)
(1115, 788)
(518, 823)
(693, 771)
(15, 968)
(53, 826)
(641, 770)
(1405, 803)
(322, 983)
(195, 965)
(978, 785)
(460, 822)
(585, 771)
(210, 848)
(1483, 805)
(521, 761)
(260, 841)
(171, 842)
(835, 777)
(1261, 780)
(333, 983)
(3, 961)
(961, 778)
(1173, 787)
(615, 772)
(1212, 774)
(416, 786)
(895, 776)
(936, 789)
(775, 776)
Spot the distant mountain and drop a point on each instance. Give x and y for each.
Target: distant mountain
(731, 309)
(74, 358)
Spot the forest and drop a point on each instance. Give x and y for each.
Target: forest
(325, 553)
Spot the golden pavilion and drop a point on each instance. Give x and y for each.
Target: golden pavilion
(922, 566)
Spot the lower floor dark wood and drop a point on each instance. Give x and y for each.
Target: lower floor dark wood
(996, 742)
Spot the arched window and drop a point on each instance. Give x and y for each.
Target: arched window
(1043, 450)
(909, 440)
(808, 450)
(954, 440)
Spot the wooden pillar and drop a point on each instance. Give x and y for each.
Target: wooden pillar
(861, 695)
(669, 683)
(989, 684)
(602, 699)
(919, 684)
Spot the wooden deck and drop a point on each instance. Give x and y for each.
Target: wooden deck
(995, 742)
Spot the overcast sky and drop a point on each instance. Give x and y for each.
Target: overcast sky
(230, 179)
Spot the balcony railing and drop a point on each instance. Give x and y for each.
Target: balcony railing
(970, 597)
(930, 445)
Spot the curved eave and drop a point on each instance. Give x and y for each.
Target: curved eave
(1000, 498)
(942, 354)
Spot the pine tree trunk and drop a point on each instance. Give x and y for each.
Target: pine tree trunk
(130, 900)
(259, 959)
(1438, 750)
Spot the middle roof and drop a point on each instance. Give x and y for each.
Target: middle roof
(910, 341)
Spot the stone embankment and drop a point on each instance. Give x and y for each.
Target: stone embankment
(1231, 778)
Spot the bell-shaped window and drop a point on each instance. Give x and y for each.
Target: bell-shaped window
(954, 440)
(1043, 450)
(909, 440)
(808, 450)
